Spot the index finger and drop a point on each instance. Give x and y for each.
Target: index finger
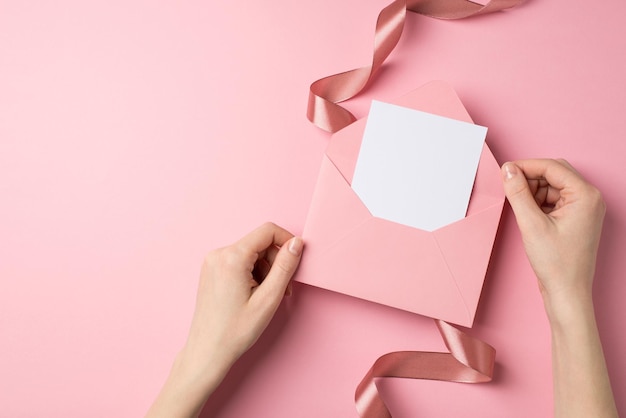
(557, 174)
(263, 237)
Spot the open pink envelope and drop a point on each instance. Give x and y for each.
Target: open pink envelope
(438, 274)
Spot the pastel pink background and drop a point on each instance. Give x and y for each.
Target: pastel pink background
(135, 136)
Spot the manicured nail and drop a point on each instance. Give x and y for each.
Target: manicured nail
(295, 246)
(510, 170)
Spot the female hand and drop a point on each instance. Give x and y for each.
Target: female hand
(240, 289)
(560, 218)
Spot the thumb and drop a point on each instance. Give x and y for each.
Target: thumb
(281, 272)
(518, 193)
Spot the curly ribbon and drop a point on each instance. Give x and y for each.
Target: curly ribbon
(323, 110)
(469, 361)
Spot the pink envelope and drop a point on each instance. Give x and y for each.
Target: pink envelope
(438, 274)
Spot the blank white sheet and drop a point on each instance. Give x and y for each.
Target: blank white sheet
(416, 168)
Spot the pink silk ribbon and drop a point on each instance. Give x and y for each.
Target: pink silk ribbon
(470, 360)
(325, 94)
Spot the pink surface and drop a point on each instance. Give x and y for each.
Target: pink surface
(136, 136)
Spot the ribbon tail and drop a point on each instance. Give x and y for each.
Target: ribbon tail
(470, 360)
(324, 94)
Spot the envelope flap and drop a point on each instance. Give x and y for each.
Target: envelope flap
(376, 262)
(436, 97)
(487, 181)
(468, 263)
(335, 210)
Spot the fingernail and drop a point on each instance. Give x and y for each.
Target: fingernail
(295, 246)
(509, 170)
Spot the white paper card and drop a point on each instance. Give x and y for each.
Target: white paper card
(416, 168)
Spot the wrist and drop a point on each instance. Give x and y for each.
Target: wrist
(187, 387)
(567, 308)
(204, 367)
